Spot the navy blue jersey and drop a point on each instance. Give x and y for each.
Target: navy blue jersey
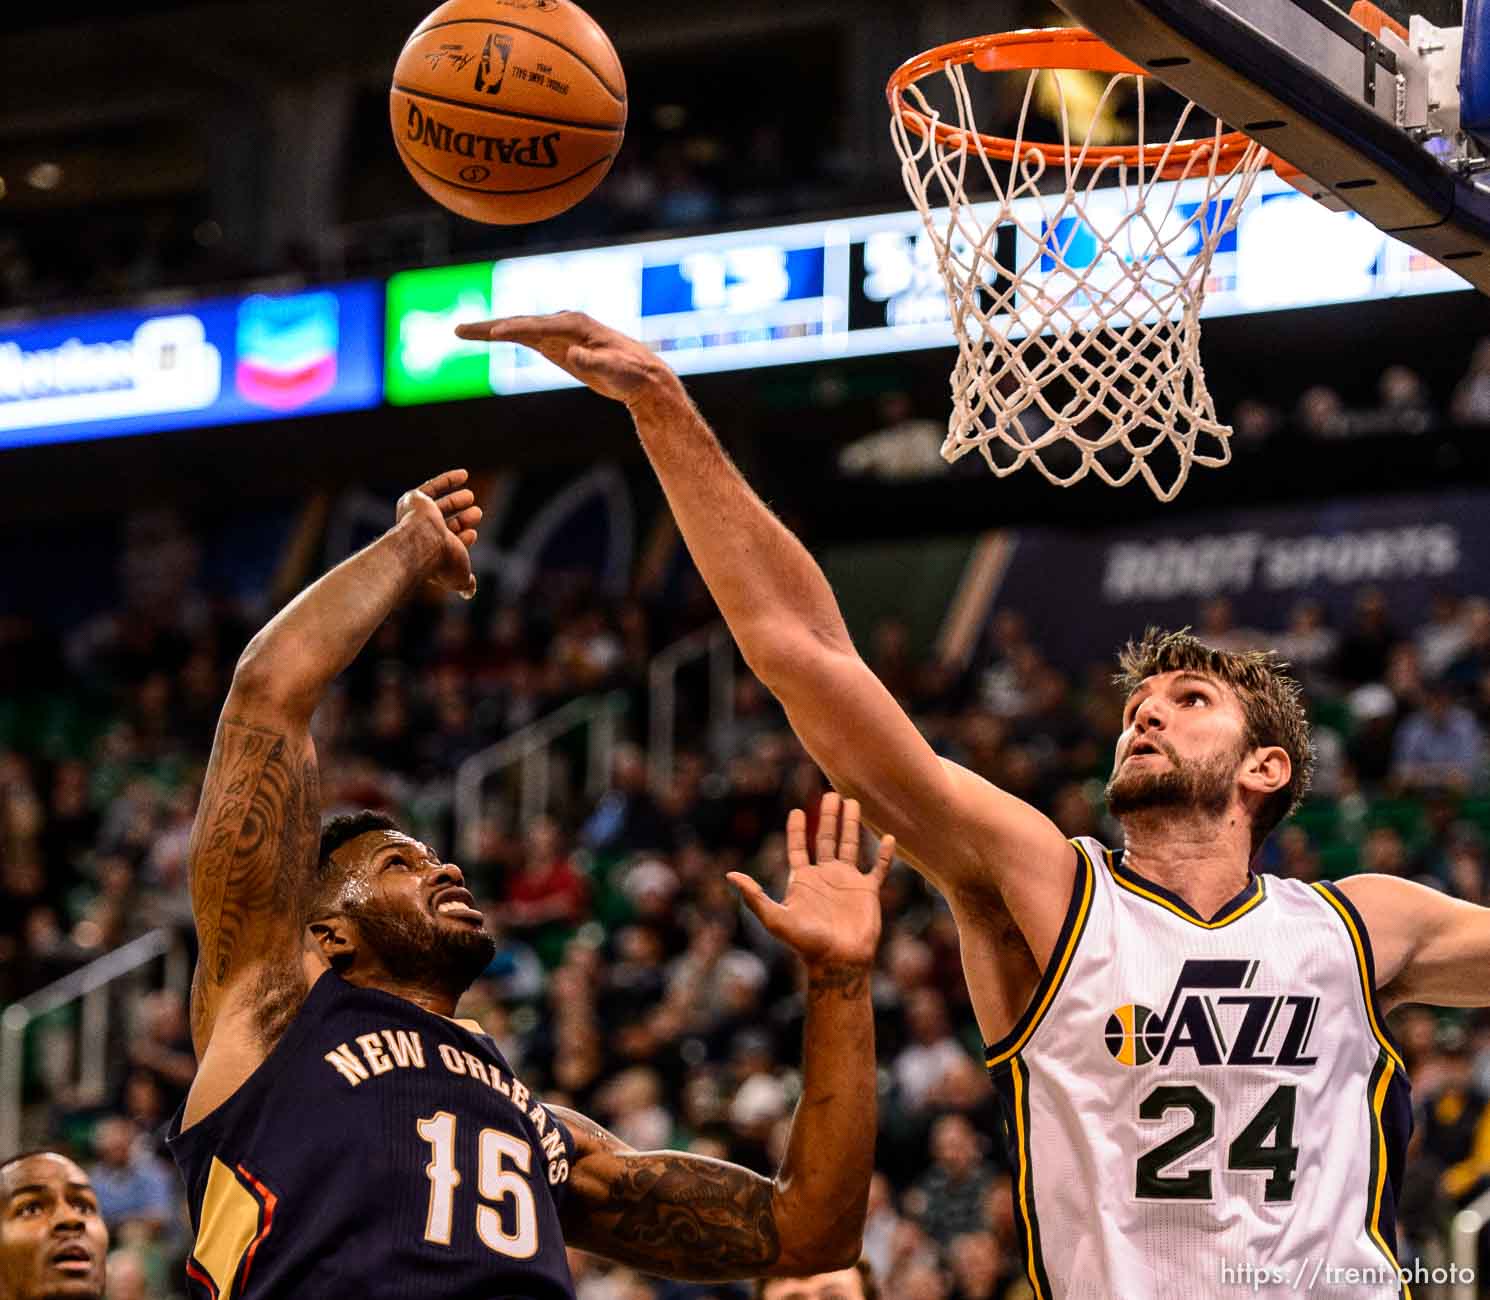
(383, 1151)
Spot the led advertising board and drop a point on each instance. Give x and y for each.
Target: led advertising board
(224, 361)
(424, 361)
(860, 287)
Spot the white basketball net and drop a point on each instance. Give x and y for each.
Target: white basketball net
(1080, 352)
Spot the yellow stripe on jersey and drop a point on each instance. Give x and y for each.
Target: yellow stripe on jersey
(1022, 1187)
(1366, 990)
(229, 1224)
(1379, 1136)
(1134, 888)
(1059, 961)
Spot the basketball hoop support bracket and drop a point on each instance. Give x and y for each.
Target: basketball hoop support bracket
(1238, 61)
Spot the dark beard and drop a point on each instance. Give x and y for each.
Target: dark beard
(1202, 787)
(414, 950)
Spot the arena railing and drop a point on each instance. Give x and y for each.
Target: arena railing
(1464, 1247)
(531, 752)
(91, 985)
(662, 726)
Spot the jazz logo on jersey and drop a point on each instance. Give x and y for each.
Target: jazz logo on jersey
(1214, 1019)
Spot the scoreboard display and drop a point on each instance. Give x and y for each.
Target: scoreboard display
(870, 285)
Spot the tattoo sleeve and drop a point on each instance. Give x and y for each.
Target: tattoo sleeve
(255, 832)
(666, 1212)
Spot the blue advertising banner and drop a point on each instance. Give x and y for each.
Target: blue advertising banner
(224, 361)
(1085, 594)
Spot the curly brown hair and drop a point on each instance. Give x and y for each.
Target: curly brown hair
(1272, 704)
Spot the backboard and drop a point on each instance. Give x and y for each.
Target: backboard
(1358, 109)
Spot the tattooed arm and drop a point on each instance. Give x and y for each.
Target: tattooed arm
(258, 823)
(690, 1217)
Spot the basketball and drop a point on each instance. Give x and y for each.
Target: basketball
(508, 111)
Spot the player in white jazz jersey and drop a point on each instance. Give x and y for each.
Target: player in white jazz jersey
(1202, 1097)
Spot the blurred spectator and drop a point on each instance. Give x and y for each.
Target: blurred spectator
(976, 1266)
(547, 897)
(1440, 745)
(1373, 710)
(903, 447)
(1403, 405)
(1296, 856)
(1456, 1122)
(1471, 400)
(1308, 644)
(1367, 641)
(1320, 413)
(855, 1283)
(881, 1223)
(1442, 637)
(932, 1051)
(948, 1199)
(1383, 852)
(137, 1196)
(631, 1104)
(1466, 876)
(128, 1277)
(1254, 422)
(161, 1048)
(1218, 627)
(1471, 664)
(626, 818)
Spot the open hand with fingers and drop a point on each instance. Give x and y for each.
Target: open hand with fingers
(446, 510)
(610, 362)
(830, 913)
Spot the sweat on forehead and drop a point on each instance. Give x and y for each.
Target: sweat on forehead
(371, 844)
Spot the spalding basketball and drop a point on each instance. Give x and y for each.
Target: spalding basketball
(508, 111)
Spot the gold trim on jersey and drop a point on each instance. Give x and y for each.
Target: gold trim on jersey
(229, 1225)
(1379, 1136)
(1133, 887)
(1390, 1061)
(1022, 1175)
(1367, 992)
(1059, 961)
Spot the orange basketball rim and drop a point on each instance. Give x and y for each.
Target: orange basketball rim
(1055, 49)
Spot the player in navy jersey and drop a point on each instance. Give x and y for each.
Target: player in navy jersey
(344, 1135)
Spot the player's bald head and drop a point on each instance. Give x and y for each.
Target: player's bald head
(18, 1170)
(53, 1243)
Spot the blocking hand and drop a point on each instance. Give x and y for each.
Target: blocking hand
(830, 913)
(611, 363)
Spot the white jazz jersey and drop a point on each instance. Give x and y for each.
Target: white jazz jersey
(1205, 1108)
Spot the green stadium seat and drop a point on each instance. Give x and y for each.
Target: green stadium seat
(1405, 816)
(1338, 860)
(1320, 819)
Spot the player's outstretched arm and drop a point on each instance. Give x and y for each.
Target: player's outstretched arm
(258, 822)
(1426, 946)
(694, 1218)
(969, 837)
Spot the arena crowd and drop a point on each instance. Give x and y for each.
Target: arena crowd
(629, 983)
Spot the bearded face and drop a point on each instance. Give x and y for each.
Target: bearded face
(419, 950)
(1162, 779)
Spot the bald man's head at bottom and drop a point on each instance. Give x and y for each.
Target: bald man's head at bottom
(53, 1242)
